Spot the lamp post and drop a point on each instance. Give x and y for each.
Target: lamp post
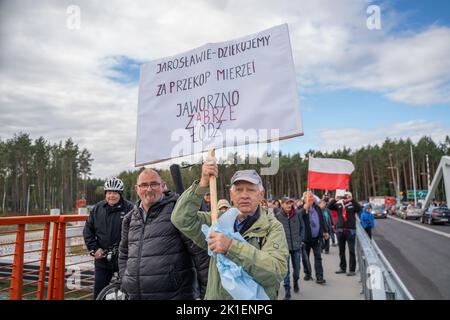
(28, 197)
(413, 176)
(397, 185)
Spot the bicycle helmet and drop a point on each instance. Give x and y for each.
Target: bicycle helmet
(113, 184)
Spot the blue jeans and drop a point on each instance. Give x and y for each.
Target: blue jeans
(295, 256)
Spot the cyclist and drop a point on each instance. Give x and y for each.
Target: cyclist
(103, 230)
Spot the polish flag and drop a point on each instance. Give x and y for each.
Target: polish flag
(329, 174)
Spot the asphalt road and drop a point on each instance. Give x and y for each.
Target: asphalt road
(439, 227)
(420, 258)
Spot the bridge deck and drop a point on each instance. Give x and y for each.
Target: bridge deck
(337, 287)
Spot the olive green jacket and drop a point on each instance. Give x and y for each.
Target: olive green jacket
(264, 257)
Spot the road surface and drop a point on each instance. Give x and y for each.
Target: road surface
(421, 258)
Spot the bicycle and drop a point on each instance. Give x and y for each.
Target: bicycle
(112, 291)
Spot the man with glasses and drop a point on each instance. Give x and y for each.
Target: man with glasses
(156, 261)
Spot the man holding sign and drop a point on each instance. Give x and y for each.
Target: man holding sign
(208, 98)
(265, 254)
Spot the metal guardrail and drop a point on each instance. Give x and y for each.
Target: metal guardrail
(379, 281)
(49, 262)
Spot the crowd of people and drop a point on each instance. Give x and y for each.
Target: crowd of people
(162, 252)
(311, 224)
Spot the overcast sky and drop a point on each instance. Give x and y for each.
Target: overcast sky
(357, 86)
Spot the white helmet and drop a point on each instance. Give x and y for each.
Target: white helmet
(113, 184)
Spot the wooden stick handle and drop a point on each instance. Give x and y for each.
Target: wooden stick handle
(213, 191)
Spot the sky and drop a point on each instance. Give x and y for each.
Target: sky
(62, 77)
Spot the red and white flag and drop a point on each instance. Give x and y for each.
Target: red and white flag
(329, 174)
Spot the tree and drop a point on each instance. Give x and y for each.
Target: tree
(55, 171)
(61, 172)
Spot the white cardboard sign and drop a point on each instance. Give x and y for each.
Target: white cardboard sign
(219, 95)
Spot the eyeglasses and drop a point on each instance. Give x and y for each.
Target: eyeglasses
(153, 185)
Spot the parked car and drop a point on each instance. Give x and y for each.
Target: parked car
(392, 210)
(402, 209)
(434, 215)
(379, 211)
(411, 212)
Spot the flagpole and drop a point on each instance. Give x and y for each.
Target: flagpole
(308, 189)
(307, 200)
(213, 191)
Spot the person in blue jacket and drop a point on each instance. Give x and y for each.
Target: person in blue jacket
(367, 220)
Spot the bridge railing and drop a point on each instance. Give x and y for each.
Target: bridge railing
(41, 262)
(379, 281)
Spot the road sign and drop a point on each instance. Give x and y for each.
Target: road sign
(420, 194)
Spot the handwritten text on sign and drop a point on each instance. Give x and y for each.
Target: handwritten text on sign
(248, 83)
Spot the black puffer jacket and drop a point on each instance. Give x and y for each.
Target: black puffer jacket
(156, 261)
(103, 228)
(293, 228)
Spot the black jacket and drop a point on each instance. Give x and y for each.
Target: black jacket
(103, 228)
(293, 227)
(352, 208)
(322, 229)
(156, 261)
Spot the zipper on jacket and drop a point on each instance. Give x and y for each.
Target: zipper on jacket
(140, 256)
(290, 233)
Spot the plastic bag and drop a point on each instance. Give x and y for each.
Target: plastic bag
(238, 283)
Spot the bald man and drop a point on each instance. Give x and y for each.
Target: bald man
(156, 261)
